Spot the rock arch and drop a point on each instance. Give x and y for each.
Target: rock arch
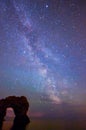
(10, 113)
(19, 105)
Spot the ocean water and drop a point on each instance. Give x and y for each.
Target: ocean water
(47, 124)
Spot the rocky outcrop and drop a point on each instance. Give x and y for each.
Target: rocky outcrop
(20, 106)
(20, 122)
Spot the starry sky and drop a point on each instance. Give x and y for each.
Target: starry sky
(43, 51)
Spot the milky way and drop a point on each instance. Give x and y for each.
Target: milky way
(43, 49)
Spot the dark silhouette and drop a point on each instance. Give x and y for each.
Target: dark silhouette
(20, 122)
(1, 123)
(20, 106)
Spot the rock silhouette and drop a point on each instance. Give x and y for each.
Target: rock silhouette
(20, 106)
(20, 122)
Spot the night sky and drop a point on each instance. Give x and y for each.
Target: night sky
(43, 52)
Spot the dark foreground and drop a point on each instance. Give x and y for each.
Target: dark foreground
(49, 124)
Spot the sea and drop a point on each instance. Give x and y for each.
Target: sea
(46, 124)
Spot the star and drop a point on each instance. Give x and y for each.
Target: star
(47, 6)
